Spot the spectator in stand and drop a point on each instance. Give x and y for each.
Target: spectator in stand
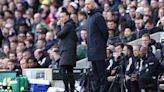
(4, 64)
(11, 65)
(23, 64)
(50, 41)
(33, 63)
(54, 55)
(129, 35)
(43, 60)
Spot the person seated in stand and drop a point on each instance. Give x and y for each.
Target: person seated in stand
(33, 63)
(54, 56)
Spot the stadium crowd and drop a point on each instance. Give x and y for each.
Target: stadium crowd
(28, 37)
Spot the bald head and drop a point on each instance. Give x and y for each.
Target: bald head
(90, 4)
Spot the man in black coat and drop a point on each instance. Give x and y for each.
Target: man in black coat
(97, 40)
(67, 45)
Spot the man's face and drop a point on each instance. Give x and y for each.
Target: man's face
(89, 5)
(23, 64)
(145, 41)
(11, 65)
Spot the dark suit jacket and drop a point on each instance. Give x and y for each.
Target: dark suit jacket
(67, 43)
(97, 36)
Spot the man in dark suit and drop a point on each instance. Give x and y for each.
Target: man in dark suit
(97, 40)
(67, 45)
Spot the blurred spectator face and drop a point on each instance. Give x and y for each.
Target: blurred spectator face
(146, 17)
(29, 36)
(39, 27)
(145, 41)
(21, 37)
(18, 14)
(147, 11)
(83, 34)
(49, 36)
(37, 18)
(6, 49)
(118, 49)
(89, 4)
(4, 8)
(32, 63)
(138, 24)
(81, 3)
(110, 16)
(11, 65)
(1, 22)
(23, 64)
(161, 12)
(80, 17)
(160, 3)
(148, 26)
(29, 13)
(66, 3)
(11, 21)
(19, 56)
(127, 32)
(23, 29)
(106, 7)
(143, 51)
(26, 54)
(74, 18)
(111, 24)
(5, 32)
(154, 4)
(3, 2)
(70, 9)
(41, 36)
(126, 51)
(144, 3)
(40, 44)
(136, 51)
(21, 46)
(12, 56)
(12, 6)
(13, 46)
(37, 54)
(4, 63)
(132, 12)
(20, 6)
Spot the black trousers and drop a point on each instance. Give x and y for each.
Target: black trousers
(68, 78)
(99, 76)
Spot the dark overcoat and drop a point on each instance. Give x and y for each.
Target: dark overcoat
(97, 36)
(67, 43)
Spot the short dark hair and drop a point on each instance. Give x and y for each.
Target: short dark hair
(64, 10)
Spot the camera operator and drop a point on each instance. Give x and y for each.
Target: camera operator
(113, 69)
(148, 70)
(129, 62)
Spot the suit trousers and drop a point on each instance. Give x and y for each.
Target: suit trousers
(68, 77)
(99, 75)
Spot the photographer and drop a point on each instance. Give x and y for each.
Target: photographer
(113, 69)
(129, 62)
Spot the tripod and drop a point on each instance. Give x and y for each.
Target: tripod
(121, 79)
(86, 82)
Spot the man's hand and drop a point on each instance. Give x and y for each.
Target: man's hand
(111, 78)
